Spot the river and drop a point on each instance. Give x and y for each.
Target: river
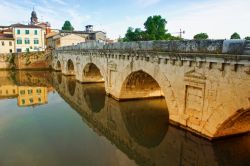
(50, 119)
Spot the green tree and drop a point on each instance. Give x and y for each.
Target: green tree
(247, 38)
(67, 26)
(156, 28)
(235, 35)
(201, 36)
(133, 35)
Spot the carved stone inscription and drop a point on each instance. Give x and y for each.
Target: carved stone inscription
(194, 100)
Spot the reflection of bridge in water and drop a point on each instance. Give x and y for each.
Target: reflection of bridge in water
(141, 130)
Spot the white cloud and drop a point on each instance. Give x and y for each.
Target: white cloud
(217, 18)
(60, 2)
(146, 3)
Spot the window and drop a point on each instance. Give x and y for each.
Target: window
(36, 41)
(10, 43)
(23, 101)
(18, 32)
(31, 100)
(7, 92)
(19, 41)
(27, 32)
(39, 100)
(38, 91)
(27, 50)
(30, 91)
(22, 92)
(14, 91)
(2, 43)
(35, 32)
(27, 41)
(10, 50)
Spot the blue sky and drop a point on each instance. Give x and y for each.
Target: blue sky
(218, 18)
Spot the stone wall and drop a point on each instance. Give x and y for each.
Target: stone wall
(182, 46)
(31, 60)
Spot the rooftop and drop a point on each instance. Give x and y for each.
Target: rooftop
(81, 32)
(24, 26)
(6, 37)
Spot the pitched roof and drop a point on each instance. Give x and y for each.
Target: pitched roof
(80, 32)
(6, 37)
(25, 26)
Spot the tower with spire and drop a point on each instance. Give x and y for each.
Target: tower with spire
(33, 18)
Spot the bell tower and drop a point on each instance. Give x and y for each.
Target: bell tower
(33, 18)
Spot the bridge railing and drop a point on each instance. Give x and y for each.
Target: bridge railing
(182, 46)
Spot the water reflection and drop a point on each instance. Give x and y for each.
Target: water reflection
(30, 89)
(140, 129)
(145, 120)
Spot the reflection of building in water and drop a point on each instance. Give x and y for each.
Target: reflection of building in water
(26, 95)
(8, 91)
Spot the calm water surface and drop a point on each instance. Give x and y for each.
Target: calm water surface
(49, 119)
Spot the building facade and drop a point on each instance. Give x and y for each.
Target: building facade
(28, 38)
(66, 38)
(7, 42)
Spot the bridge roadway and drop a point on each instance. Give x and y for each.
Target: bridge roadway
(206, 84)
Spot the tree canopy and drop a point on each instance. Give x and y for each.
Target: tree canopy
(247, 38)
(155, 29)
(67, 26)
(235, 35)
(201, 36)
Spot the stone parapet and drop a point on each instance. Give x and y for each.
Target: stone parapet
(181, 46)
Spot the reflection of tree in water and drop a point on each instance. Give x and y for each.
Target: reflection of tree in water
(146, 120)
(71, 83)
(94, 96)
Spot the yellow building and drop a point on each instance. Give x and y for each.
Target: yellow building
(28, 38)
(28, 96)
(8, 91)
(6, 43)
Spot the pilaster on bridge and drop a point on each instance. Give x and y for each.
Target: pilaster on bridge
(206, 84)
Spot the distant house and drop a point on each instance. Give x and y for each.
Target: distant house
(66, 38)
(58, 40)
(24, 38)
(6, 43)
(28, 38)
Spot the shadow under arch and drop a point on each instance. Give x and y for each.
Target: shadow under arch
(91, 73)
(147, 121)
(236, 124)
(59, 77)
(70, 67)
(94, 95)
(71, 85)
(140, 84)
(58, 66)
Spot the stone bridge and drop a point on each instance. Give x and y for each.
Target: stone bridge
(206, 84)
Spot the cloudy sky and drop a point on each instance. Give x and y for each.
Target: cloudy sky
(218, 18)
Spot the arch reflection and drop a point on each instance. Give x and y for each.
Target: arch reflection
(146, 121)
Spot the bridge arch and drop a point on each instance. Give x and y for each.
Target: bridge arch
(161, 85)
(70, 68)
(229, 124)
(91, 74)
(140, 84)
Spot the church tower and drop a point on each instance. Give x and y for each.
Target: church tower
(33, 18)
